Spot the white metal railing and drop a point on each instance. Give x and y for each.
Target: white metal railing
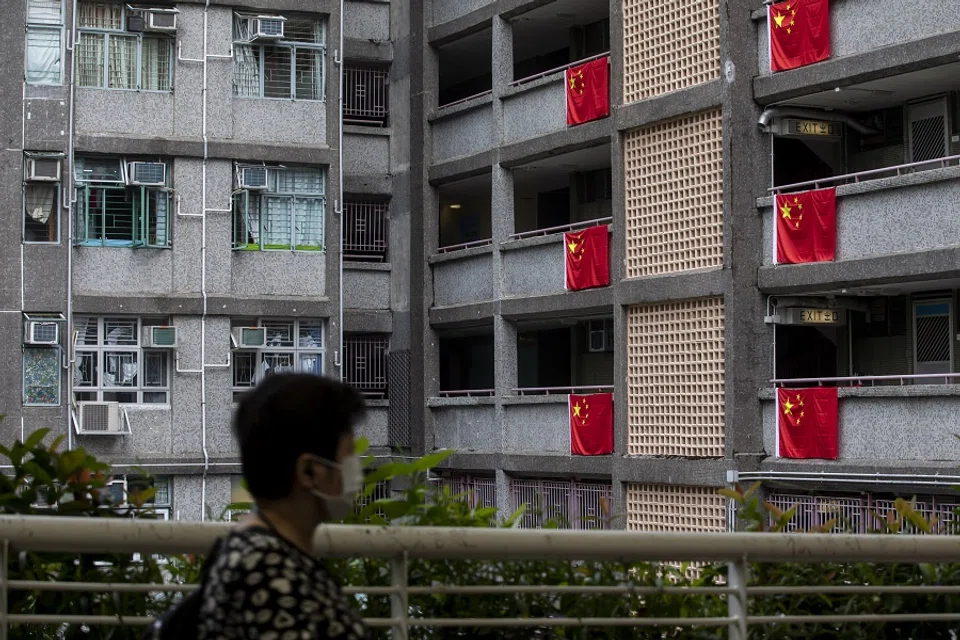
(554, 391)
(465, 245)
(857, 381)
(869, 174)
(549, 72)
(467, 393)
(365, 230)
(475, 96)
(365, 96)
(400, 545)
(585, 224)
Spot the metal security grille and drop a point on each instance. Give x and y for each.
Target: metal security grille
(928, 130)
(365, 95)
(365, 363)
(479, 492)
(669, 45)
(673, 173)
(858, 513)
(398, 416)
(365, 230)
(933, 337)
(652, 507)
(675, 383)
(571, 505)
(380, 492)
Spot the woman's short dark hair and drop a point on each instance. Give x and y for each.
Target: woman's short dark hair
(285, 416)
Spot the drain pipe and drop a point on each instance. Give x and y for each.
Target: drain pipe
(340, 206)
(71, 356)
(798, 112)
(203, 272)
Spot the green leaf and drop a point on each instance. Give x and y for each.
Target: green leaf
(431, 460)
(36, 438)
(733, 495)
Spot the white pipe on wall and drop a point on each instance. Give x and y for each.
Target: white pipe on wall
(71, 359)
(340, 53)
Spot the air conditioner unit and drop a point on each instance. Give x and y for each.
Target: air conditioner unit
(147, 174)
(136, 24)
(267, 27)
(159, 337)
(253, 178)
(248, 337)
(600, 336)
(164, 21)
(37, 332)
(99, 417)
(43, 169)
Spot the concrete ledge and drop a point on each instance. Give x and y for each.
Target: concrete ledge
(673, 471)
(851, 70)
(564, 304)
(860, 475)
(468, 315)
(481, 401)
(535, 465)
(217, 149)
(272, 306)
(905, 391)
(449, 111)
(359, 130)
(460, 254)
(923, 266)
(365, 321)
(681, 286)
(512, 90)
(331, 7)
(534, 241)
(584, 136)
(366, 51)
(698, 98)
(140, 305)
(462, 168)
(368, 184)
(528, 400)
(366, 266)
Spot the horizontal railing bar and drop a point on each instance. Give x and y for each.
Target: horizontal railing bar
(585, 224)
(560, 390)
(866, 617)
(467, 393)
(863, 589)
(465, 245)
(53, 619)
(519, 623)
(98, 587)
(549, 72)
(906, 376)
(861, 174)
(561, 589)
(467, 99)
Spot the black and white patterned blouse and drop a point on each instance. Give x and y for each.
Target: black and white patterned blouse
(262, 586)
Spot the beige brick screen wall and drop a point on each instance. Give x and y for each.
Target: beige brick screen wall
(669, 45)
(675, 385)
(673, 174)
(654, 507)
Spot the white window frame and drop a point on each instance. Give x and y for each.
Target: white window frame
(100, 353)
(106, 34)
(243, 198)
(297, 352)
(54, 213)
(36, 27)
(258, 50)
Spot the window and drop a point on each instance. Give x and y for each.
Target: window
(41, 376)
(41, 199)
(365, 95)
(365, 363)
(111, 366)
(287, 214)
(290, 67)
(114, 209)
(933, 346)
(289, 345)
(364, 229)
(44, 56)
(110, 57)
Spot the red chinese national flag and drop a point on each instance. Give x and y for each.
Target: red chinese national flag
(799, 33)
(806, 226)
(807, 423)
(591, 424)
(588, 91)
(588, 258)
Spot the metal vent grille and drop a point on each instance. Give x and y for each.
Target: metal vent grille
(45, 331)
(653, 507)
(149, 172)
(673, 173)
(669, 45)
(675, 383)
(933, 339)
(398, 416)
(96, 417)
(164, 335)
(928, 129)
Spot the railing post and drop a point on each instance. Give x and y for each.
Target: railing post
(399, 601)
(737, 576)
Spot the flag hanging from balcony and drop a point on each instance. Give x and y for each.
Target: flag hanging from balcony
(806, 226)
(807, 423)
(591, 424)
(588, 91)
(587, 255)
(799, 33)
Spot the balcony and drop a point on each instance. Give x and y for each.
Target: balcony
(447, 10)
(465, 423)
(889, 22)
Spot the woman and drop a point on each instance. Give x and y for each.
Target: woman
(296, 444)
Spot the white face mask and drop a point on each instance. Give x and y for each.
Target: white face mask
(351, 479)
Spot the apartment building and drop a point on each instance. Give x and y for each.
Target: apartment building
(210, 191)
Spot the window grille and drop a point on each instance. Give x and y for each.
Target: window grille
(108, 57)
(115, 216)
(291, 68)
(44, 42)
(288, 215)
(571, 505)
(380, 492)
(365, 230)
(41, 212)
(291, 345)
(479, 492)
(111, 366)
(365, 364)
(855, 513)
(365, 95)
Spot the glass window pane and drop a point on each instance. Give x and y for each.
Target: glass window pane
(44, 12)
(246, 71)
(276, 363)
(85, 375)
(43, 56)
(100, 15)
(276, 222)
(90, 59)
(244, 368)
(279, 334)
(311, 335)
(41, 376)
(41, 213)
(299, 181)
(97, 170)
(120, 369)
(308, 231)
(277, 65)
(120, 332)
(155, 74)
(123, 62)
(309, 74)
(311, 363)
(155, 365)
(303, 30)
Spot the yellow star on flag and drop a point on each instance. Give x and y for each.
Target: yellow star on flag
(778, 18)
(572, 246)
(788, 408)
(576, 410)
(785, 210)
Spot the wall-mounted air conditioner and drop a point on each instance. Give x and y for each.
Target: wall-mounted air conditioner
(253, 178)
(43, 169)
(41, 333)
(267, 27)
(599, 336)
(147, 174)
(159, 337)
(248, 338)
(99, 418)
(162, 21)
